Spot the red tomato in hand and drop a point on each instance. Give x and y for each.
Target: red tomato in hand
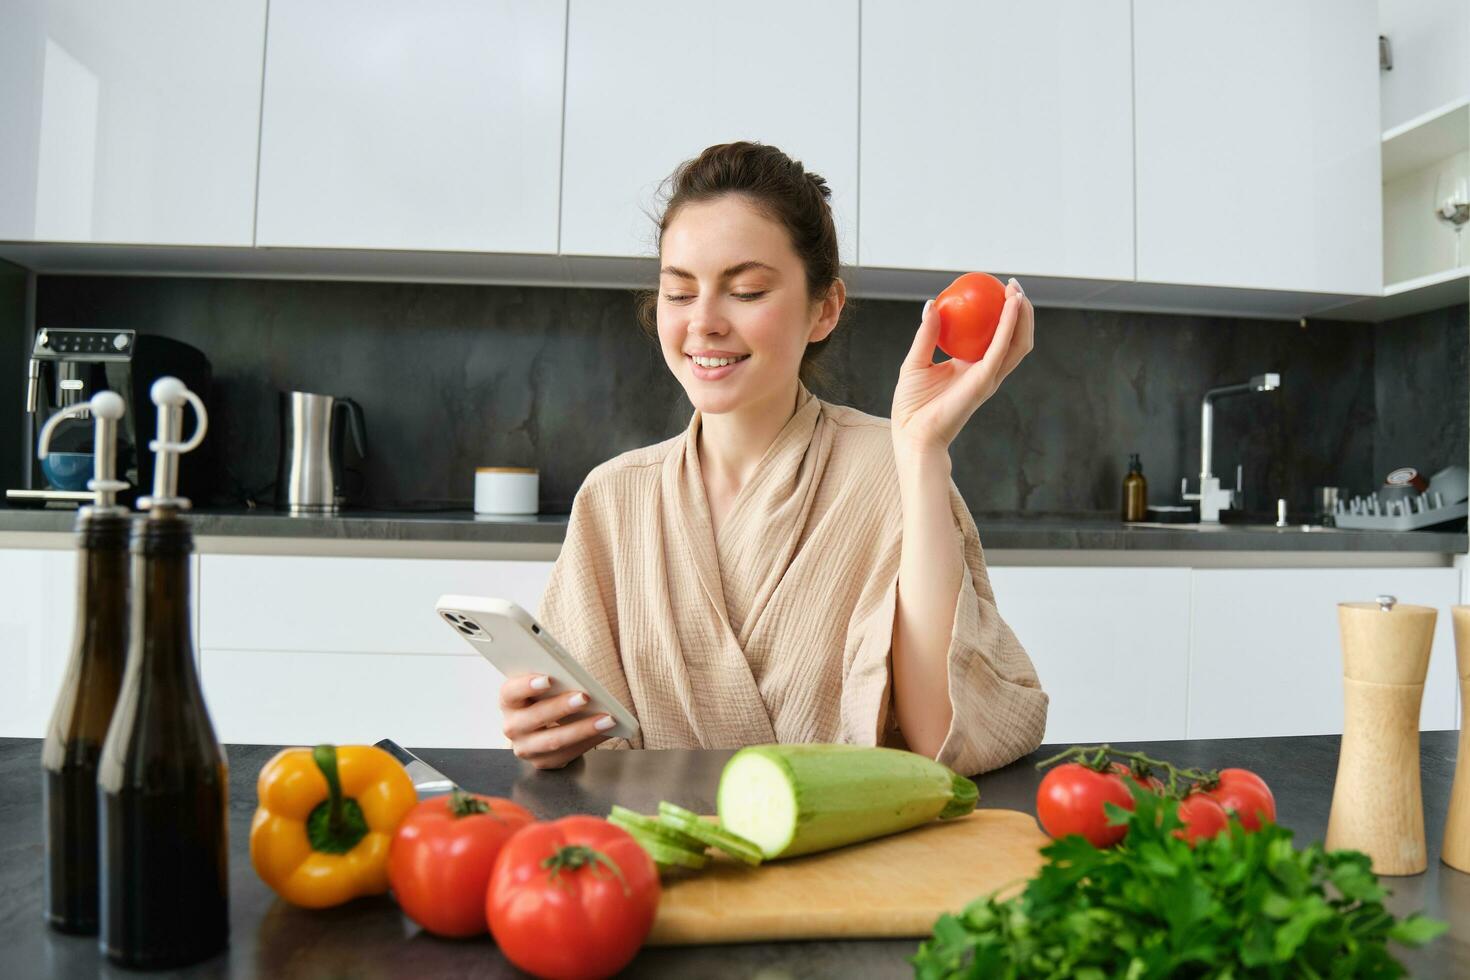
(441, 857)
(1247, 796)
(572, 899)
(969, 311)
(1203, 818)
(1070, 801)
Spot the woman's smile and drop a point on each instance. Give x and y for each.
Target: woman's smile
(714, 365)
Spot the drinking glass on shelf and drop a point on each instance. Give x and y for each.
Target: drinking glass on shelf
(1452, 204)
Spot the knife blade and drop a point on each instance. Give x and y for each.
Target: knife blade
(426, 779)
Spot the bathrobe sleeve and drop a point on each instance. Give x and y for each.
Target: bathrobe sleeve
(999, 708)
(579, 606)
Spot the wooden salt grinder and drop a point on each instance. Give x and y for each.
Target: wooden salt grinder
(1456, 850)
(1377, 806)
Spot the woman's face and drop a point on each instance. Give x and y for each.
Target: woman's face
(731, 288)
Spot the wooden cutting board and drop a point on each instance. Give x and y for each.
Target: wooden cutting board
(891, 887)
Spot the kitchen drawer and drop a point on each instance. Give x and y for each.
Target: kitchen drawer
(1110, 646)
(349, 605)
(1266, 649)
(302, 697)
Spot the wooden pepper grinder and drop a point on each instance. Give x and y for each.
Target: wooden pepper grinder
(1456, 850)
(1377, 806)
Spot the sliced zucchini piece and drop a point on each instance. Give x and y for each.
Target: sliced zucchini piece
(747, 852)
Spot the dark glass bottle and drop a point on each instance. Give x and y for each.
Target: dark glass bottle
(79, 722)
(1135, 492)
(162, 787)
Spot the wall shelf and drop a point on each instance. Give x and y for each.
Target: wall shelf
(1430, 292)
(1426, 139)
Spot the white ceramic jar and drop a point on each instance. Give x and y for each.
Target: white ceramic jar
(507, 490)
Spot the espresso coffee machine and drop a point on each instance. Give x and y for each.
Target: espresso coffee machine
(70, 366)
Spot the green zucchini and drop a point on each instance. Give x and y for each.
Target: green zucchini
(797, 799)
(705, 832)
(631, 820)
(665, 854)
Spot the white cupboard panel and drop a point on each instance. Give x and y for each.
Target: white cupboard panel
(283, 697)
(998, 136)
(651, 83)
(1429, 39)
(37, 622)
(130, 122)
(1257, 144)
(1266, 650)
(350, 605)
(1109, 644)
(433, 125)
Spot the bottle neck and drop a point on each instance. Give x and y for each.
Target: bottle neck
(102, 595)
(161, 593)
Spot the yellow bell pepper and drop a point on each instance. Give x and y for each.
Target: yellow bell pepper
(324, 822)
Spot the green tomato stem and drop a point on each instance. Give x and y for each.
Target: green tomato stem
(575, 856)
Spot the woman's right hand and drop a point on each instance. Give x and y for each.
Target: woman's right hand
(531, 719)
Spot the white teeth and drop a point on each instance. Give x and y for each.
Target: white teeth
(714, 362)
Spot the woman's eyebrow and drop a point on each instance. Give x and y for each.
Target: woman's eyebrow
(734, 270)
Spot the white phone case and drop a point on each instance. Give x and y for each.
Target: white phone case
(514, 643)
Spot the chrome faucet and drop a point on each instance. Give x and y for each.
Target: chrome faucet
(1212, 497)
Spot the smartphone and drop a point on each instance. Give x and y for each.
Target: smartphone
(515, 644)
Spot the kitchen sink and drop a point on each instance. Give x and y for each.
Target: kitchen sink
(1227, 528)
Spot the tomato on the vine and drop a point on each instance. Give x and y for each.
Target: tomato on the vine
(1245, 794)
(969, 312)
(1070, 801)
(572, 899)
(441, 856)
(1152, 784)
(1203, 818)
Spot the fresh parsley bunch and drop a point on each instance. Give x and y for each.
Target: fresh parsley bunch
(1242, 904)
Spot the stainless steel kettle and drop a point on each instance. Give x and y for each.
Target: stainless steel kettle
(309, 475)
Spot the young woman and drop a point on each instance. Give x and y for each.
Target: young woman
(785, 570)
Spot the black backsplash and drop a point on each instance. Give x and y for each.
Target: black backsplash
(453, 377)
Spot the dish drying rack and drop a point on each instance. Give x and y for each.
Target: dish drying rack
(1444, 500)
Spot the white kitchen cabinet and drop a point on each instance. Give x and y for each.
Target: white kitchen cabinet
(1265, 651)
(37, 621)
(297, 649)
(1111, 646)
(651, 83)
(1257, 144)
(1429, 40)
(998, 136)
(132, 121)
(414, 126)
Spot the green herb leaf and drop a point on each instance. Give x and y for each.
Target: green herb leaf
(1241, 905)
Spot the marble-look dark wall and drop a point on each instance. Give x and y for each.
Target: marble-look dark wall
(14, 346)
(454, 377)
(1422, 363)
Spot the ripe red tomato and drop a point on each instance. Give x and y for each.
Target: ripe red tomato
(572, 899)
(1202, 816)
(1153, 784)
(1070, 801)
(1247, 796)
(440, 860)
(969, 311)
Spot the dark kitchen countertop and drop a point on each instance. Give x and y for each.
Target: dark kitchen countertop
(997, 531)
(370, 938)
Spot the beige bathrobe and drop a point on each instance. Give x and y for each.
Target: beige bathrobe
(781, 630)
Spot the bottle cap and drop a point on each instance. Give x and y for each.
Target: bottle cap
(107, 407)
(170, 394)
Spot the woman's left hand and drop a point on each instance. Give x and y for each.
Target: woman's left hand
(932, 402)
